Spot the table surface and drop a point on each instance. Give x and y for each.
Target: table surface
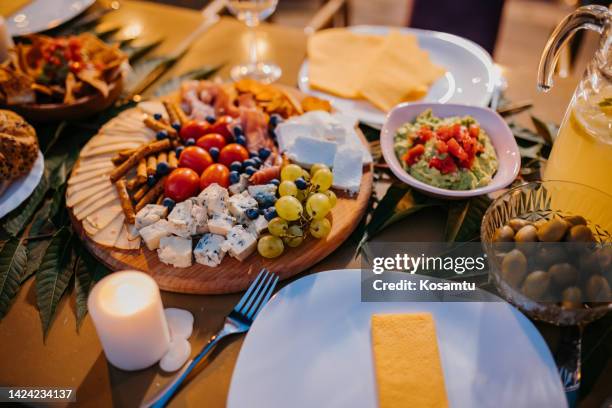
(75, 359)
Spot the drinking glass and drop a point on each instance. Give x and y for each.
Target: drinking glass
(252, 12)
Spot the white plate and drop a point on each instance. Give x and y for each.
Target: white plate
(41, 15)
(20, 189)
(470, 74)
(310, 347)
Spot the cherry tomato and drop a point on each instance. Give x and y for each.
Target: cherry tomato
(181, 184)
(211, 140)
(233, 152)
(193, 130)
(195, 158)
(221, 126)
(216, 173)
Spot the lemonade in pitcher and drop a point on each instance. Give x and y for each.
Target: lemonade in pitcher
(582, 151)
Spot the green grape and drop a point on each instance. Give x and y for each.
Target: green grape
(332, 197)
(287, 188)
(305, 175)
(316, 167)
(320, 228)
(295, 236)
(289, 208)
(291, 172)
(277, 227)
(270, 246)
(322, 180)
(301, 195)
(318, 205)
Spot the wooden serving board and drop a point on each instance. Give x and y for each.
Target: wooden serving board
(231, 275)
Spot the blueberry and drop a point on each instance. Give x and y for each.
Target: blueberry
(236, 166)
(276, 182)
(214, 153)
(272, 134)
(250, 170)
(264, 153)
(252, 213)
(238, 131)
(157, 116)
(248, 163)
(270, 213)
(257, 161)
(241, 140)
(211, 119)
(151, 180)
(169, 203)
(190, 142)
(161, 135)
(301, 183)
(275, 119)
(162, 168)
(178, 151)
(234, 177)
(252, 154)
(176, 126)
(262, 211)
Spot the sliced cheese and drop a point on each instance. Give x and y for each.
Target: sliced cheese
(109, 199)
(108, 235)
(75, 195)
(103, 216)
(109, 148)
(81, 177)
(124, 242)
(407, 361)
(89, 228)
(87, 166)
(104, 139)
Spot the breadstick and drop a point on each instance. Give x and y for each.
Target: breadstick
(122, 156)
(126, 203)
(172, 160)
(141, 192)
(132, 184)
(144, 151)
(152, 194)
(175, 113)
(160, 199)
(162, 157)
(141, 171)
(151, 165)
(157, 125)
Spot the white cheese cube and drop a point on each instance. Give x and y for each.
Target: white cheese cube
(221, 224)
(153, 233)
(150, 214)
(180, 219)
(199, 218)
(347, 169)
(239, 204)
(175, 251)
(240, 186)
(262, 188)
(239, 243)
(214, 197)
(307, 151)
(208, 251)
(287, 132)
(257, 226)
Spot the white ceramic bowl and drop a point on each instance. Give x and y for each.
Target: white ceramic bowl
(500, 134)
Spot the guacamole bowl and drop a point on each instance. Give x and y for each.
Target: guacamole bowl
(493, 125)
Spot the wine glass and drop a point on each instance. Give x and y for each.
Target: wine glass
(252, 12)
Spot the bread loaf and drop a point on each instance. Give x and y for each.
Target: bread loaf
(18, 146)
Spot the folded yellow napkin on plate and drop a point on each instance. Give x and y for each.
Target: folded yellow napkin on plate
(407, 361)
(10, 7)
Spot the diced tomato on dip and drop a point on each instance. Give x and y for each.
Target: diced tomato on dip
(413, 154)
(446, 165)
(456, 150)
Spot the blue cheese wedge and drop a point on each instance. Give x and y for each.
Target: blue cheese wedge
(240, 186)
(347, 169)
(208, 251)
(199, 220)
(221, 224)
(307, 151)
(239, 204)
(261, 188)
(150, 214)
(151, 234)
(180, 219)
(214, 198)
(257, 226)
(239, 243)
(175, 251)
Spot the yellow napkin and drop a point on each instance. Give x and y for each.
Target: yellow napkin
(10, 7)
(407, 362)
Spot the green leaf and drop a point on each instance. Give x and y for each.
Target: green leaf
(13, 259)
(18, 219)
(596, 352)
(36, 251)
(456, 215)
(82, 285)
(547, 131)
(472, 219)
(53, 276)
(134, 53)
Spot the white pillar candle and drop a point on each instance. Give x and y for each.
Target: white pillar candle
(127, 312)
(6, 41)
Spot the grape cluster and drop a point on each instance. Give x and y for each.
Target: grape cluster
(304, 202)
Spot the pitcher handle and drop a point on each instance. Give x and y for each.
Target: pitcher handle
(594, 18)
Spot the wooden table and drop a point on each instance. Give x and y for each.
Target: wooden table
(71, 359)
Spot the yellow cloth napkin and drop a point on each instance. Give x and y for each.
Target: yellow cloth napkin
(407, 361)
(10, 7)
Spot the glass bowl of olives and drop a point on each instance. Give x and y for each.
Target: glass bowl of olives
(549, 246)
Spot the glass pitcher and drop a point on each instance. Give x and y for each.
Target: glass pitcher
(582, 151)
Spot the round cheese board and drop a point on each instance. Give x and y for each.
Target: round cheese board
(98, 218)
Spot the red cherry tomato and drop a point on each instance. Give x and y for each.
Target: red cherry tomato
(181, 184)
(211, 140)
(233, 152)
(195, 158)
(221, 126)
(216, 173)
(193, 130)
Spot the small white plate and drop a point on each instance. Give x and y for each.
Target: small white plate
(41, 15)
(20, 189)
(310, 347)
(470, 77)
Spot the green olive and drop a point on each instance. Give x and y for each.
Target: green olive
(580, 233)
(589, 263)
(526, 234)
(536, 284)
(575, 220)
(503, 234)
(571, 298)
(552, 231)
(563, 274)
(517, 223)
(548, 255)
(598, 289)
(514, 267)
